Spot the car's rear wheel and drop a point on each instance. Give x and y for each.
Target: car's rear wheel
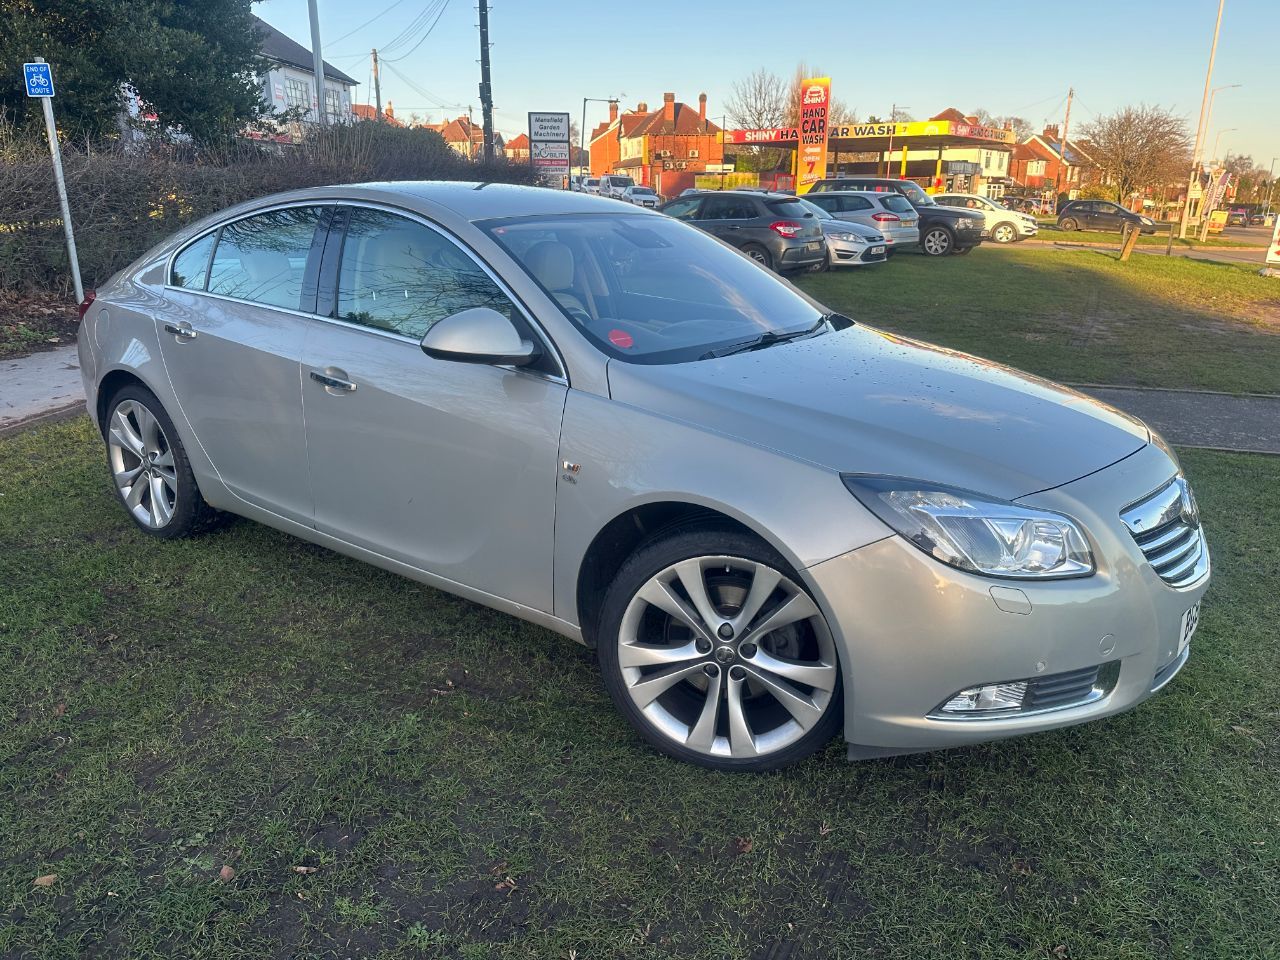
(759, 254)
(715, 653)
(1068, 224)
(937, 242)
(1004, 233)
(149, 466)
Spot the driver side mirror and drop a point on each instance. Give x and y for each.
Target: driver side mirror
(479, 335)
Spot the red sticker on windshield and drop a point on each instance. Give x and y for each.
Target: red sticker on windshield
(621, 339)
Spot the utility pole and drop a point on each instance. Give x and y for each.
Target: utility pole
(317, 61)
(1062, 165)
(486, 90)
(377, 88)
(1193, 180)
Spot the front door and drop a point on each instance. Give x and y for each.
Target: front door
(729, 218)
(231, 337)
(449, 467)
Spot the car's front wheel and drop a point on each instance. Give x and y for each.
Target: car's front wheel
(717, 655)
(1004, 233)
(149, 466)
(937, 241)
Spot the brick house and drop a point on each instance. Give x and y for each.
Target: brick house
(1038, 160)
(664, 149)
(365, 111)
(518, 148)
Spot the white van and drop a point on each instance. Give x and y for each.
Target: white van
(613, 185)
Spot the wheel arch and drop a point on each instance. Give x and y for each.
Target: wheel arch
(109, 385)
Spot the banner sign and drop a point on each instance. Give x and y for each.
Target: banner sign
(875, 131)
(811, 160)
(1273, 251)
(1217, 191)
(549, 147)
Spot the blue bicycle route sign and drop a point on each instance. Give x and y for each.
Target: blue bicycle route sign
(39, 79)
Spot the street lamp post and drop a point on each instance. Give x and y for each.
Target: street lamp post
(1204, 108)
(582, 130)
(1217, 140)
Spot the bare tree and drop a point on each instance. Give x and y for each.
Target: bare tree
(760, 99)
(1138, 147)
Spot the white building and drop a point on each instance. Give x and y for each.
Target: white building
(290, 81)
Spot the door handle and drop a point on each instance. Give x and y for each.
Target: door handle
(182, 331)
(333, 383)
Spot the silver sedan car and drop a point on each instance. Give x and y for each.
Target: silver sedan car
(772, 522)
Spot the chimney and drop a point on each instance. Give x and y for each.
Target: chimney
(1051, 131)
(388, 111)
(613, 110)
(668, 108)
(702, 109)
(642, 107)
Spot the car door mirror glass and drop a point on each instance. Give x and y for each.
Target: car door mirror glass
(478, 335)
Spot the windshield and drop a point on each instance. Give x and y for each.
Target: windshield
(621, 182)
(648, 289)
(917, 196)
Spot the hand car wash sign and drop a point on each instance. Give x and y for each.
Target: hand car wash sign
(811, 158)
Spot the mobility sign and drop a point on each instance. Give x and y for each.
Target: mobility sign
(39, 79)
(549, 147)
(811, 158)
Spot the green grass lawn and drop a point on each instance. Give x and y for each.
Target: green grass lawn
(386, 771)
(1079, 315)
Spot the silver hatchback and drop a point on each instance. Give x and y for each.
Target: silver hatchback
(772, 523)
(889, 213)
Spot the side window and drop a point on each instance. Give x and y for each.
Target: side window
(728, 208)
(191, 266)
(263, 258)
(685, 209)
(401, 276)
(857, 203)
(829, 204)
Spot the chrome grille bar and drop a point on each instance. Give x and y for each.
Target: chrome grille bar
(1166, 528)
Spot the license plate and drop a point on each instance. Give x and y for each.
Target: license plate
(1190, 620)
(908, 223)
(813, 247)
(876, 251)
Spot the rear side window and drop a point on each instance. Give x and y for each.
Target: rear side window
(401, 276)
(191, 266)
(788, 208)
(682, 209)
(728, 208)
(855, 203)
(263, 258)
(897, 203)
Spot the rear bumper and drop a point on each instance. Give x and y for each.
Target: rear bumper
(797, 255)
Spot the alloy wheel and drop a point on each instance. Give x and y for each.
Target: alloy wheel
(937, 243)
(142, 464)
(727, 657)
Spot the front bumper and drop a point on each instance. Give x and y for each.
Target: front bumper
(913, 632)
(845, 254)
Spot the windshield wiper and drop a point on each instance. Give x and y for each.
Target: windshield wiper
(766, 339)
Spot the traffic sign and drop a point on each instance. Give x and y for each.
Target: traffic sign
(39, 79)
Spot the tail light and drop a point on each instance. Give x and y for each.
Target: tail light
(785, 228)
(86, 303)
(886, 217)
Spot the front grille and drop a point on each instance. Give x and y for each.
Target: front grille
(1060, 689)
(1166, 527)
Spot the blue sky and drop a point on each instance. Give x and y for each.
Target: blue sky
(549, 54)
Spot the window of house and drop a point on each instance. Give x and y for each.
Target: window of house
(191, 266)
(401, 276)
(263, 258)
(297, 93)
(333, 105)
(693, 154)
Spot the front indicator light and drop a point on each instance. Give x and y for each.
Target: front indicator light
(977, 534)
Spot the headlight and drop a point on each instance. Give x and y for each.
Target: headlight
(846, 237)
(977, 534)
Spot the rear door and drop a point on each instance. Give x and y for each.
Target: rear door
(730, 217)
(231, 339)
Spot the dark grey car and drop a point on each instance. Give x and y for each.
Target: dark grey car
(774, 229)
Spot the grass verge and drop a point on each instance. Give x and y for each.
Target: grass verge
(1079, 315)
(386, 771)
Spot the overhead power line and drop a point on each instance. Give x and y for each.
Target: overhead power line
(376, 16)
(418, 89)
(442, 6)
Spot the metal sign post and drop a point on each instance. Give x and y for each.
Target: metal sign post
(39, 80)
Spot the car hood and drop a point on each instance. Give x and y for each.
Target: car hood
(864, 401)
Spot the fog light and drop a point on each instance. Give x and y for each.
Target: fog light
(989, 696)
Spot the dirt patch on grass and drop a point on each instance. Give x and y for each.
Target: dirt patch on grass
(32, 323)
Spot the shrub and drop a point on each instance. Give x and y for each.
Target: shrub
(127, 197)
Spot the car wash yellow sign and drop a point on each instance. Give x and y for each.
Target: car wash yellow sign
(811, 158)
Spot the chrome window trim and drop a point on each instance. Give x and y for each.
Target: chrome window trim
(547, 342)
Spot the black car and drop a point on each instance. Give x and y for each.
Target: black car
(771, 228)
(1101, 215)
(943, 230)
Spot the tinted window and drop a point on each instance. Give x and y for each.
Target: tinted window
(897, 203)
(263, 258)
(728, 208)
(401, 276)
(650, 290)
(191, 266)
(794, 207)
(826, 203)
(682, 209)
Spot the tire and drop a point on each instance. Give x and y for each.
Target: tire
(1004, 232)
(961, 251)
(824, 266)
(937, 241)
(759, 254)
(1068, 224)
(715, 710)
(142, 443)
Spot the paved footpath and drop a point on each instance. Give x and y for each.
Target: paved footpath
(45, 386)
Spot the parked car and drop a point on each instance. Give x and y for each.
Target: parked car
(641, 196)
(591, 185)
(1238, 218)
(889, 213)
(689, 191)
(773, 229)
(943, 230)
(1101, 215)
(597, 419)
(575, 183)
(614, 186)
(1000, 223)
(1257, 218)
(848, 244)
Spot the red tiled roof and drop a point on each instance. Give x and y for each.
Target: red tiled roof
(520, 142)
(366, 111)
(686, 123)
